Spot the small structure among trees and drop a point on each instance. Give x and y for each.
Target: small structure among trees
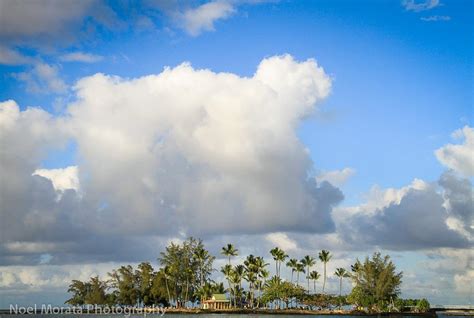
(217, 301)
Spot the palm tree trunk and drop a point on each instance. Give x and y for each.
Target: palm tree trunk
(340, 292)
(258, 298)
(168, 290)
(324, 280)
(251, 295)
(292, 271)
(187, 290)
(230, 290)
(314, 286)
(307, 277)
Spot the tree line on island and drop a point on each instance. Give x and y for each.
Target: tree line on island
(184, 280)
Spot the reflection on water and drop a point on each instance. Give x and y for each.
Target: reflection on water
(173, 315)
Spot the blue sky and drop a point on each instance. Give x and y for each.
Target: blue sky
(401, 77)
(390, 68)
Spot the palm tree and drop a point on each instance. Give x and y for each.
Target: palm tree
(308, 261)
(292, 263)
(167, 275)
(205, 291)
(263, 275)
(226, 270)
(235, 280)
(314, 276)
(279, 256)
(258, 267)
(251, 278)
(239, 271)
(341, 273)
(325, 257)
(274, 252)
(229, 251)
(356, 268)
(299, 269)
(201, 255)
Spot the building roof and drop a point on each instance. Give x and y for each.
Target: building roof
(218, 298)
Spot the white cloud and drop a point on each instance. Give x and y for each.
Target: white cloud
(28, 278)
(42, 78)
(453, 268)
(62, 179)
(50, 21)
(459, 157)
(80, 57)
(30, 247)
(435, 18)
(217, 146)
(464, 282)
(388, 213)
(12, 57)
(423, 5)
(336, 177)
(282, 241)
(185, 151)
(202, 18)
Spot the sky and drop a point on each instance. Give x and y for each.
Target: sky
(343, 125)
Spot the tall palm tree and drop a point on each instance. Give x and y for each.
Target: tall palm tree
(201, 254)
(167, 275)
(274, 252)
(240, 271)
(314, 276)
(259, 269)
(356, 268)
(308, 261)
(282, 256)
(227, 271)
(229, 250)
(341, 273)
(279, 256)
(299, 269)
(292, 263)
(263, 275)
(235, 280)
(251, 278)
(324, 257)
(205, 291)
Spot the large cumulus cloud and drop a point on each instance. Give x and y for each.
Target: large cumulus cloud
(213, 148)
(182, 152)
(459, 157)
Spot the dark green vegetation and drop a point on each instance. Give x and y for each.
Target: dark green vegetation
(184, 280)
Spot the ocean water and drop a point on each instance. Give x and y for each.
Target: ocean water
(174, 315)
